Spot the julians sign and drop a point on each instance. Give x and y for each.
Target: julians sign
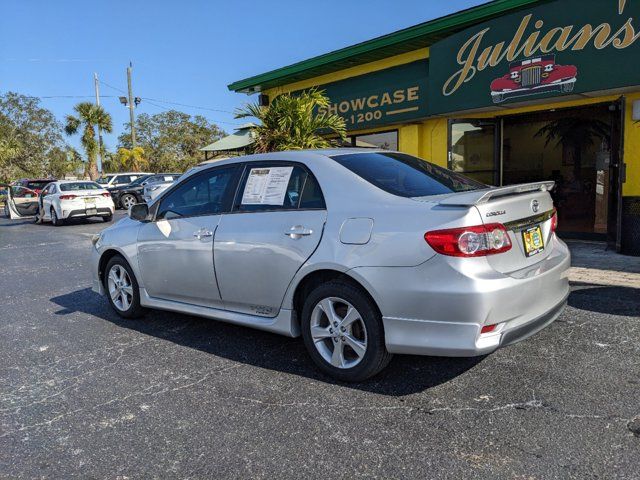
(393, 95)
(557, 48)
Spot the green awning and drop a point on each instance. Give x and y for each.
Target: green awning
(237, 141)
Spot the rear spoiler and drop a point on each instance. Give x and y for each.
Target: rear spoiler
(477, 197)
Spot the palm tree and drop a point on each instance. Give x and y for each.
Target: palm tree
(89, 117)
(133, 160)
(294, 122)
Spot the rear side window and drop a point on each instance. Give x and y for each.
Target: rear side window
(205, 194)
(260, 189)
(404, 175)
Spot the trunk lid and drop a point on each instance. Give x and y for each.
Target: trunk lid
(520, 208)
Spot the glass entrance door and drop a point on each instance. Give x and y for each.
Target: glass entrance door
(474, 149)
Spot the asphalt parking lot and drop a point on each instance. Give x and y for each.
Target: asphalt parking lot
(87, 394)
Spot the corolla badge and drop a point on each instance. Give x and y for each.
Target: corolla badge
(535, 206)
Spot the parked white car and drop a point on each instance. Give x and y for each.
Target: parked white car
(110, 180)
(67, 199)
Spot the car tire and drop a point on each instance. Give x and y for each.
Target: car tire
(118, 275)
(127, 200)
(55, 221)
(363, 330)
(107, 218)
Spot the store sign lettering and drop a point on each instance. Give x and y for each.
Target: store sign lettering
(556, 48)
(393, 95)
(473, 58)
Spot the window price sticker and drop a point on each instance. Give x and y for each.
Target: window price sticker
(266, 186)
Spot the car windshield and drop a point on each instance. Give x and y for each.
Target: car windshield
(38, 184)
(404, 175)
(105, 179)
(139, 180)
(70, 187)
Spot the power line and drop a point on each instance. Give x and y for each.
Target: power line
(187, 105)
(171, 103)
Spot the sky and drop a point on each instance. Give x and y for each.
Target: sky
(185, 52)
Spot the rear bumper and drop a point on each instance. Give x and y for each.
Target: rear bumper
(439, 308)
(100, 212)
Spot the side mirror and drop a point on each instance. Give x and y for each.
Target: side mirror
(139, 212)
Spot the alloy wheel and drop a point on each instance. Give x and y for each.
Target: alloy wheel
(127, 201)
(338, 332)
(120, 288)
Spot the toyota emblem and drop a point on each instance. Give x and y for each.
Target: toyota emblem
(535, 206)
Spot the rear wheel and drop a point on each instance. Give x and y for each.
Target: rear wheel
(122, 288)
(127, 200)
(342, 330)
(55, 221)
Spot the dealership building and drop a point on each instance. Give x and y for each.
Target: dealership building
(511, 91)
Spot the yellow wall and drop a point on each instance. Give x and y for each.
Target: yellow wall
(428, 139)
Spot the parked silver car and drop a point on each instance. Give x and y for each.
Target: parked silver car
(365, 253)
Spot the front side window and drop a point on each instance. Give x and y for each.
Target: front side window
(404, 175)
(204, 194)
(278, 187)
(120, 179)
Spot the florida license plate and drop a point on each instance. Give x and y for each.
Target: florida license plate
(532, 240)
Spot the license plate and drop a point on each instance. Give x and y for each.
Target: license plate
(532, 240)
(91, 211)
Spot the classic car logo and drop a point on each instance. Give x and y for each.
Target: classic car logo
(535, 206)
(533, 76)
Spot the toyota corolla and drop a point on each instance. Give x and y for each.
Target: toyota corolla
(363, 253)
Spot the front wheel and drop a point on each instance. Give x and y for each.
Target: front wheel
(127, 201)
(342, 330)
(122, 288)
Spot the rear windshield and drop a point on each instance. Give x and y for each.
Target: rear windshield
(404, 175)
(38, 185)
(70, 187)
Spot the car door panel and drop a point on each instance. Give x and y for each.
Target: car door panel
(175, 251)
(273, 231)
(176, 263)
(22, 201)
(257, 255)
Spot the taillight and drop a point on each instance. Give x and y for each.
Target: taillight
(554, 221)
(477, 241)
(106, 194)
(67, 197)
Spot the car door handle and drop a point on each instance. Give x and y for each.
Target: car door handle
(298, 232)
(202, 233)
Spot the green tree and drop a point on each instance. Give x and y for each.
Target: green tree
(132, 159)
(294, 122)
(29, 134)
(172, 140)
(89, 118)
(63, 161)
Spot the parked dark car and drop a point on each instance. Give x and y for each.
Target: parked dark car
(126, 195)
(35, 184)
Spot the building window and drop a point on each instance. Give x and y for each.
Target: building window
(383, 140)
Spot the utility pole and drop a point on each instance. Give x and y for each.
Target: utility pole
(97, 87)
(131, 107)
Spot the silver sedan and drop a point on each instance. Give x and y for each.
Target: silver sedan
(363, 253)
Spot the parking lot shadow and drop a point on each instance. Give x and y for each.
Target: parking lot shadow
(612, 300)
(405, 375)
